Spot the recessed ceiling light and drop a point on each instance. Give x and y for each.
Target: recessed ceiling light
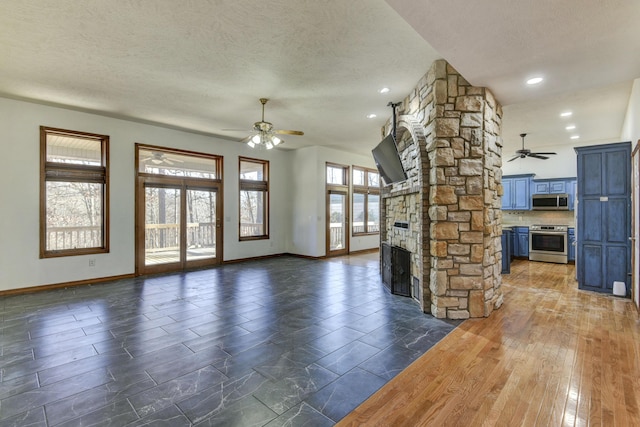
(371, 116)
(534, 80)
(384, 90)
(566, 114)
(570, 127)
(575, 136)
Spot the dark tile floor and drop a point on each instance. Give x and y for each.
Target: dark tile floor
(276, 342)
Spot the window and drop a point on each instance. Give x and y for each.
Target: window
(177, 163)
(337, 175)
(254, 199)
(74, 193)
(366, 201)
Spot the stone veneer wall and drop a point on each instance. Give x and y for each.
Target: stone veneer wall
(448, 136)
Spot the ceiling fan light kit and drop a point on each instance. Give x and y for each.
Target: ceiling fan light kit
(265, 136)
(525, 152)
(269, 141)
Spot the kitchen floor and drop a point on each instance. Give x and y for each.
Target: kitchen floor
(552, 355)
(280, 341)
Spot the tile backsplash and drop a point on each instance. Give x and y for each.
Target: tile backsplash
(526, 218)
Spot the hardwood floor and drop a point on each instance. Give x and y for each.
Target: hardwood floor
(552, 356)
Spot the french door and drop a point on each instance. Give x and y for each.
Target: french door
(178, 217)
(179, 227)
(337, 222)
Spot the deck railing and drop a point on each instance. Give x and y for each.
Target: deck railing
(166, 236)
(248, 229)
(358, 227)
(60, 238)
(157, 236)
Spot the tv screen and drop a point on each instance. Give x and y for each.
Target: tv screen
(388, 161)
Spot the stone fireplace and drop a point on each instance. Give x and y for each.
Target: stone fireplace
(448, 137)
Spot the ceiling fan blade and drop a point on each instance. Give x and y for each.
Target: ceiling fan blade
(237, 130)
(538, 156)
(513, 158)
(289, 132)
(544, 153)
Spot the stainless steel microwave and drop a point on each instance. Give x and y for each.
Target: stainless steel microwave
(550, 202)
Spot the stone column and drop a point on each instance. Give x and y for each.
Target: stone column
(453, 157)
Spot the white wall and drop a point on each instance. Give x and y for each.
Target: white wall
(562, 165)
(631, 126)
(297, 196)
(309, 205)
(565, 163)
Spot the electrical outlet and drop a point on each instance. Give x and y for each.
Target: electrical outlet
(92, 262)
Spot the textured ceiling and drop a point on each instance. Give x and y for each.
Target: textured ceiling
(586, 50)
(202, 65)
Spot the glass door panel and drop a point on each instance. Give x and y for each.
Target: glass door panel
(337, 223)
(201, 224)
(162, 225)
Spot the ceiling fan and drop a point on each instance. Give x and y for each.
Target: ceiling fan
(159, 158)
(525, 152)
(265, 134)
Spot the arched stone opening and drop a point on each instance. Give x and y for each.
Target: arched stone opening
(409, 203)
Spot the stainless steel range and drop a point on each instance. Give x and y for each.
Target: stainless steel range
(548, 243)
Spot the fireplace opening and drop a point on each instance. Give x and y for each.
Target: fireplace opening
(396, 269)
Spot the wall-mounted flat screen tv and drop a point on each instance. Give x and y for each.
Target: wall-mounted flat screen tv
(388, 161)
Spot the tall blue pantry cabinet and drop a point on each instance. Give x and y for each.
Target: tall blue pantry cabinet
(604, 216)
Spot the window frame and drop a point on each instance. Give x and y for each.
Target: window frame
(254, 185)
(345, 175)
(366, 190)
(63, 172)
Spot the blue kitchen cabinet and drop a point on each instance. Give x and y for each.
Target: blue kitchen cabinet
(506, 250)
(550, 186)
(516, 192)
(539, 187)
(603, 252)
(523, 242)
(557, 186)
(571, 191)
(521, 246)
(571, 239)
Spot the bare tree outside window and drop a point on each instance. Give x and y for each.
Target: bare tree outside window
(74, 193)
(254, 199)
(366, 201)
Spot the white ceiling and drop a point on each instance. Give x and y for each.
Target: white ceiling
(203, 65)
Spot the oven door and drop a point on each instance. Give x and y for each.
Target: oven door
(548, 246)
